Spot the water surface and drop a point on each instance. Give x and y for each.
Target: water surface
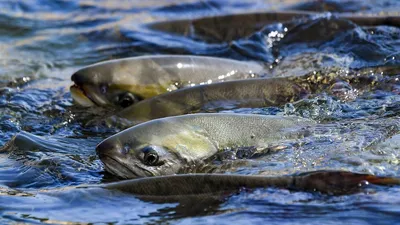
(44, 42)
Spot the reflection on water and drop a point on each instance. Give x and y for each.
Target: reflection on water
(353, 75)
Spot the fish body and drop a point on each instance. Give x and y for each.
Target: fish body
(192, 189)
(168, 145)
(177, 187)
(227, 28)
(240, 93)
(125, 81)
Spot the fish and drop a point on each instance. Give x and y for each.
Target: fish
(256, 92)
(230, 27)
(179, 144)
(123, 82)
(190, 189)
(178, 187)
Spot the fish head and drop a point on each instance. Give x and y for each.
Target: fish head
(154, 149)
(133, 159)
(97, 86)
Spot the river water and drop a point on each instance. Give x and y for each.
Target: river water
(42, 42)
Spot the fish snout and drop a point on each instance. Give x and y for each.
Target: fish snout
(110, 150)
(78, 78)
(79, 96)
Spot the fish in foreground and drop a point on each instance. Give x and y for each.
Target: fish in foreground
(126, 81)
(239, 93)
(176, 144)
(185, 188)
(178, 187)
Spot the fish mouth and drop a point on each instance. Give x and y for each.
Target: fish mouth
(79, 95)
(118, 168)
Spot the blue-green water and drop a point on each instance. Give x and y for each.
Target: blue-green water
(43, 42)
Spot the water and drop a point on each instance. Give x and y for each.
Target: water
(44, 42)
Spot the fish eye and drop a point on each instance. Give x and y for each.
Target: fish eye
(103, 89)
(150, 157)
(127, 99)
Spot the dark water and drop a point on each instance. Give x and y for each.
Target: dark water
(43, 42)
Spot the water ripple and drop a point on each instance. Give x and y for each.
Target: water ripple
(48, 148)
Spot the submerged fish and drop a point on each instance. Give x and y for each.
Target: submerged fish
(230, 27)
(126, 81)
(173, 144)
(215, 188)
(241, 93)
(184, 185)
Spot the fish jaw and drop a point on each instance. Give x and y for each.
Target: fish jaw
(79, 96)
